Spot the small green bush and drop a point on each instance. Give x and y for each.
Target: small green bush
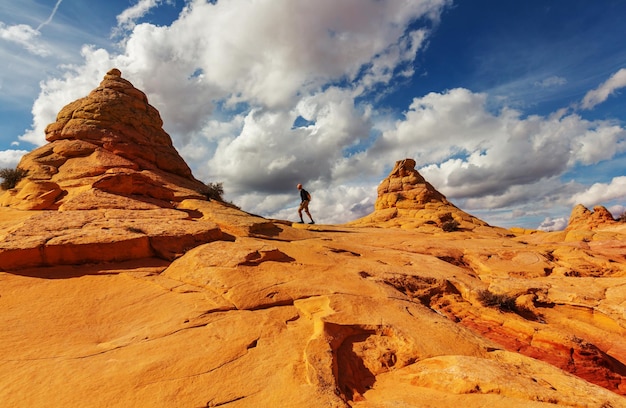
(10, 177)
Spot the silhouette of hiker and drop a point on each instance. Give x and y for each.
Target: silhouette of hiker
(304, 204)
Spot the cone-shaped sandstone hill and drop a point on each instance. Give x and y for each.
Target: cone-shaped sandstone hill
(107, 149)
(407, 200)
(582, 218)
(122, 286)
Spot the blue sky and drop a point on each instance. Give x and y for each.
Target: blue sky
(514, 110)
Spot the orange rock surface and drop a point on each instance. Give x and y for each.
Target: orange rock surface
(112, 296)
(582, 218)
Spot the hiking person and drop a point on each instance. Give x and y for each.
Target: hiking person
(304, 204)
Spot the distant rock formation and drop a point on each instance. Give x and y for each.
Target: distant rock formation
(582, 218)
(404, 188)
(407, 200)
(106, 150)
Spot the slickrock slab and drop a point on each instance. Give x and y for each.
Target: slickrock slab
(347, 317)
(240, 223)
(75, 237)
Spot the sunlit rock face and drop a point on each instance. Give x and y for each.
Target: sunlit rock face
(582, 218)
(103, 148)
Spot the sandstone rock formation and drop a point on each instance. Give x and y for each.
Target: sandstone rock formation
(582, 218)
(108, 144)
(406, 200)
(113, 297)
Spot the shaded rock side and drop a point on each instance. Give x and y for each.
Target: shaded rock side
(111, 141)
(406, 199)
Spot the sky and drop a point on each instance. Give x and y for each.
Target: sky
(515, 111)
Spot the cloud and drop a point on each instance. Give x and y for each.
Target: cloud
(601, 193)
(553, 224)
(608, 88)
(51, 16)
(269, 154)
(127, 19)
(551, 82)
(28, 37)
(266, 54)
(25, 36)
(11, 158)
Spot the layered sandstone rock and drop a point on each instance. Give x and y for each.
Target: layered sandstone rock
(108, 144)
(407, 200)
(582, 218)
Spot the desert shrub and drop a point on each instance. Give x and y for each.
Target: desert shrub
(10, 177)
(450, 225)
(501, 301)
(506, 303)
(215, 191)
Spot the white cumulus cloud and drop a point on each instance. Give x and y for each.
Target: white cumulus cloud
(601, 192)
(10, 158)
(553, 224)
(468, 152)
